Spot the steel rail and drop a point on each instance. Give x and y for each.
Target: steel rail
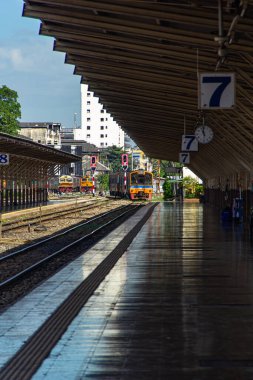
(9, 226)
(29, 358)
(17, 277)
(65, 232)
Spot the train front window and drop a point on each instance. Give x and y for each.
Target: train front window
(148, 179)
(134, 178)
(141, 180)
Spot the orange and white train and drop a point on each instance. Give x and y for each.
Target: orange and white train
(71, 184)
(138, 184)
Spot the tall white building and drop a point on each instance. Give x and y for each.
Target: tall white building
(97, 126)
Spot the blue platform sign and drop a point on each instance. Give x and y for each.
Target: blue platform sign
(216, 90)
(4, 159)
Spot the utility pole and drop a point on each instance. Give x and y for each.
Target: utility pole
(75, 121)
(159, 174)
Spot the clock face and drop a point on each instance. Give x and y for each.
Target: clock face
(204, 134)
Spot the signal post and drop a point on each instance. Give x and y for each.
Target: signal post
(93, 164)
(124, 162)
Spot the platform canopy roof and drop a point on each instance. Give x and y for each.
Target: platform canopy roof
(143, 59)
(25, 148)
(29, 160)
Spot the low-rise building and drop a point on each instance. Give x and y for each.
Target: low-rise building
(46, 133)
(51, 134)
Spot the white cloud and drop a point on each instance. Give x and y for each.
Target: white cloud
(46, 86)
(17, 59)
(13, 58)
(33, 54)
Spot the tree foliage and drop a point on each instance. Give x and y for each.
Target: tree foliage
(114, 157)
(191, 187)
(103, 180)
(160, 167)
(10, 111)
(167, 190)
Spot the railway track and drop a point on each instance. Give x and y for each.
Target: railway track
(24, 268)
(25, 363)
(43, 215)
(60, 217)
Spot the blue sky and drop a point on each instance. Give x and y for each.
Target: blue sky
(46, 86)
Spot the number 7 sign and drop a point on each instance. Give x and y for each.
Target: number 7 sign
(216, 90)
(189, 143)
(184, 158)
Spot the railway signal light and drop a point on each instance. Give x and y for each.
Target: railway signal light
(93, 161)
(124, 161)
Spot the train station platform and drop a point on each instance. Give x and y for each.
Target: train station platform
(177, 305)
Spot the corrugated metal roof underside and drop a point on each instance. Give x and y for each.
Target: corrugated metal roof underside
(142, 58)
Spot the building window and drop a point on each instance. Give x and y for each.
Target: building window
(101, 144)
(88, 118)
(88, 103)
(102, 111)
(105, 135)
(87, 136)
(101, 127)
(102, 119)
(88, 93)
(88, 111)
(101, 136)
(39, 141)
(106, 127)
(88, 126)
(106, 144)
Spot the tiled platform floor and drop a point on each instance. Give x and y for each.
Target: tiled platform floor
(178, 305)
(22, 319)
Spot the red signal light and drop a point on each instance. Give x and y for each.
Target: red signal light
(93, 161)
(124, 159)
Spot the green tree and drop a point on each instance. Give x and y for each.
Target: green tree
(191, 187)
(10, 111)
(167, 190)
(103, 180)
(114, 157)
(160, 167)
(199, 190)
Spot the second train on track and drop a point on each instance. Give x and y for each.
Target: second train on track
(137, 185)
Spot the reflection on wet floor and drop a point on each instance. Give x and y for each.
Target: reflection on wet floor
(178, 305)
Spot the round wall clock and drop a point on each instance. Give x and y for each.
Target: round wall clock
(204, 134)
